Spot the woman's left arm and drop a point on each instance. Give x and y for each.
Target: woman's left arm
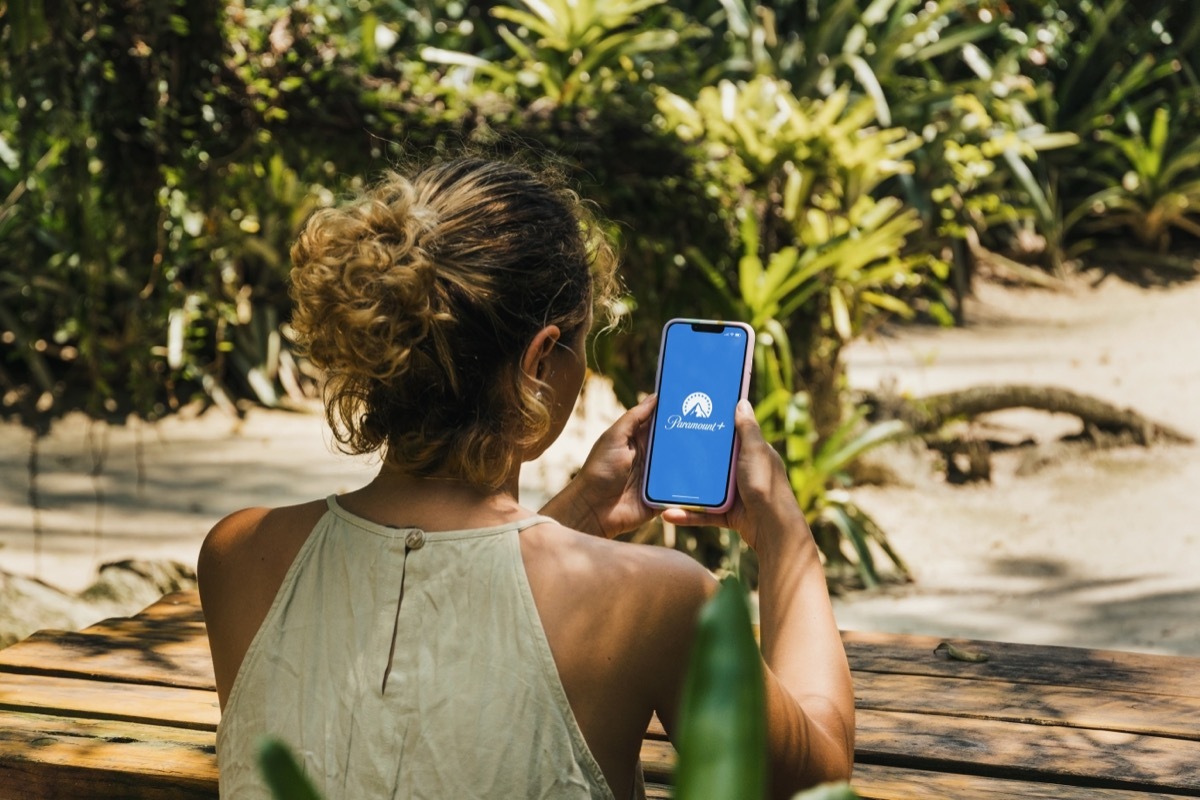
(604, 498)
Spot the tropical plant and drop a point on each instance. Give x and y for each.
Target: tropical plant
(818, 468)
(92, 108)
(821, 258)
(1093, 64)
(818, 45)
(155, 162)
(722, 715)
(566, 53)
(1153, 182)
(797, 177)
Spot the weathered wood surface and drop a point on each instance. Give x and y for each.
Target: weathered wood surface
(126, 708)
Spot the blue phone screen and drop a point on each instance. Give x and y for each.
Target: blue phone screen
(698, 390)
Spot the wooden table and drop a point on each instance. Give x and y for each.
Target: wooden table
(127, 709)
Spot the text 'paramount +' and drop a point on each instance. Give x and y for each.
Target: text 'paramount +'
(676, 421)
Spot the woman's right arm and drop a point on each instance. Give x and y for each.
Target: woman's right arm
(810, 699)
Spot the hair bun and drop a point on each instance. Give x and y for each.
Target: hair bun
(364, 283)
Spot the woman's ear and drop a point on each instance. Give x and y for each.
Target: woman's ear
(536, 361)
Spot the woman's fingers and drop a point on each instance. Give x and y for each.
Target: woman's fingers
(628, 424)
(759, 465)
(640, 413)
(746, 424)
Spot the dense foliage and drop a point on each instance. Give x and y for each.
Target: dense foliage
(812, 165)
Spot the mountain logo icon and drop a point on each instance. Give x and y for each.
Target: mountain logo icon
(697, 404)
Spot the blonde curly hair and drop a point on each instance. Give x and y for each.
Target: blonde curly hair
(418, 298)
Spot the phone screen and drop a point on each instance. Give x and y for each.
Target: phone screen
(702, 370)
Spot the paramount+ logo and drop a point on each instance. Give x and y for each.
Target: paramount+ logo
(696, 406)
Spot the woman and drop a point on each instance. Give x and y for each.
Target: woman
(426, 635)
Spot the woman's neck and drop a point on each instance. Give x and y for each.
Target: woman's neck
(434, 503)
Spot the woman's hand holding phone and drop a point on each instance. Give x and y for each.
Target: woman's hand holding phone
(764, 505)
(604, 498)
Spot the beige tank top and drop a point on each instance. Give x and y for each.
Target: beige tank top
(400, 663)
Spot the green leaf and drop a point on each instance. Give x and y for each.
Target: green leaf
(1040, 140)
(840, 311)
(1158, 140)
(737, 16)
(857, 536)
(888, 303)
(722, 739)
(830, 460)
(870, 84)
(782, 345)
(282, 774)
(750, 271)
(626, 44)
(179, 24)
(439, 56)
(1030, 184)
(368, 26)
(546, 26)
(956, 40)
(522, 50)
(713, 274)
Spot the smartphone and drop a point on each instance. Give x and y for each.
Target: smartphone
(703, 371)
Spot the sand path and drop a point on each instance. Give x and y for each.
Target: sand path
(1099, 551)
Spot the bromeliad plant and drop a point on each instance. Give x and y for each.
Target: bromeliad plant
(818, 468)
(1154, 182)
(567, 52)
(822, 260)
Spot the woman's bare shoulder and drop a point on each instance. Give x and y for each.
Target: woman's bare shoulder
(261, 534)
(619, 612)
(241, 565)
(647, 576)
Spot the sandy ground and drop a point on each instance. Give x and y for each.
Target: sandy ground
(1099, 551)
(1096, 551)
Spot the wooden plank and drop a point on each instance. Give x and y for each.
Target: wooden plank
(876, 782)
(43, 756)
(151, 629)
(901, 782)
(171, 615)
(1107, 670)
(1132, 712)
(879, 782)
(183, 606)
(184, 661)
(74, 697)
(1045, 753)
(658, 761)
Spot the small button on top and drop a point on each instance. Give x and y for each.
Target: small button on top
(415, 539)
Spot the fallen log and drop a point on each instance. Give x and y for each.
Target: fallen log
(926, 416)
(968, 458)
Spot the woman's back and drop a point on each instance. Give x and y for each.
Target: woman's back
(520, 664)
(399, 663)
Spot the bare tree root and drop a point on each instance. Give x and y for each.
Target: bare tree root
(968, 459)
